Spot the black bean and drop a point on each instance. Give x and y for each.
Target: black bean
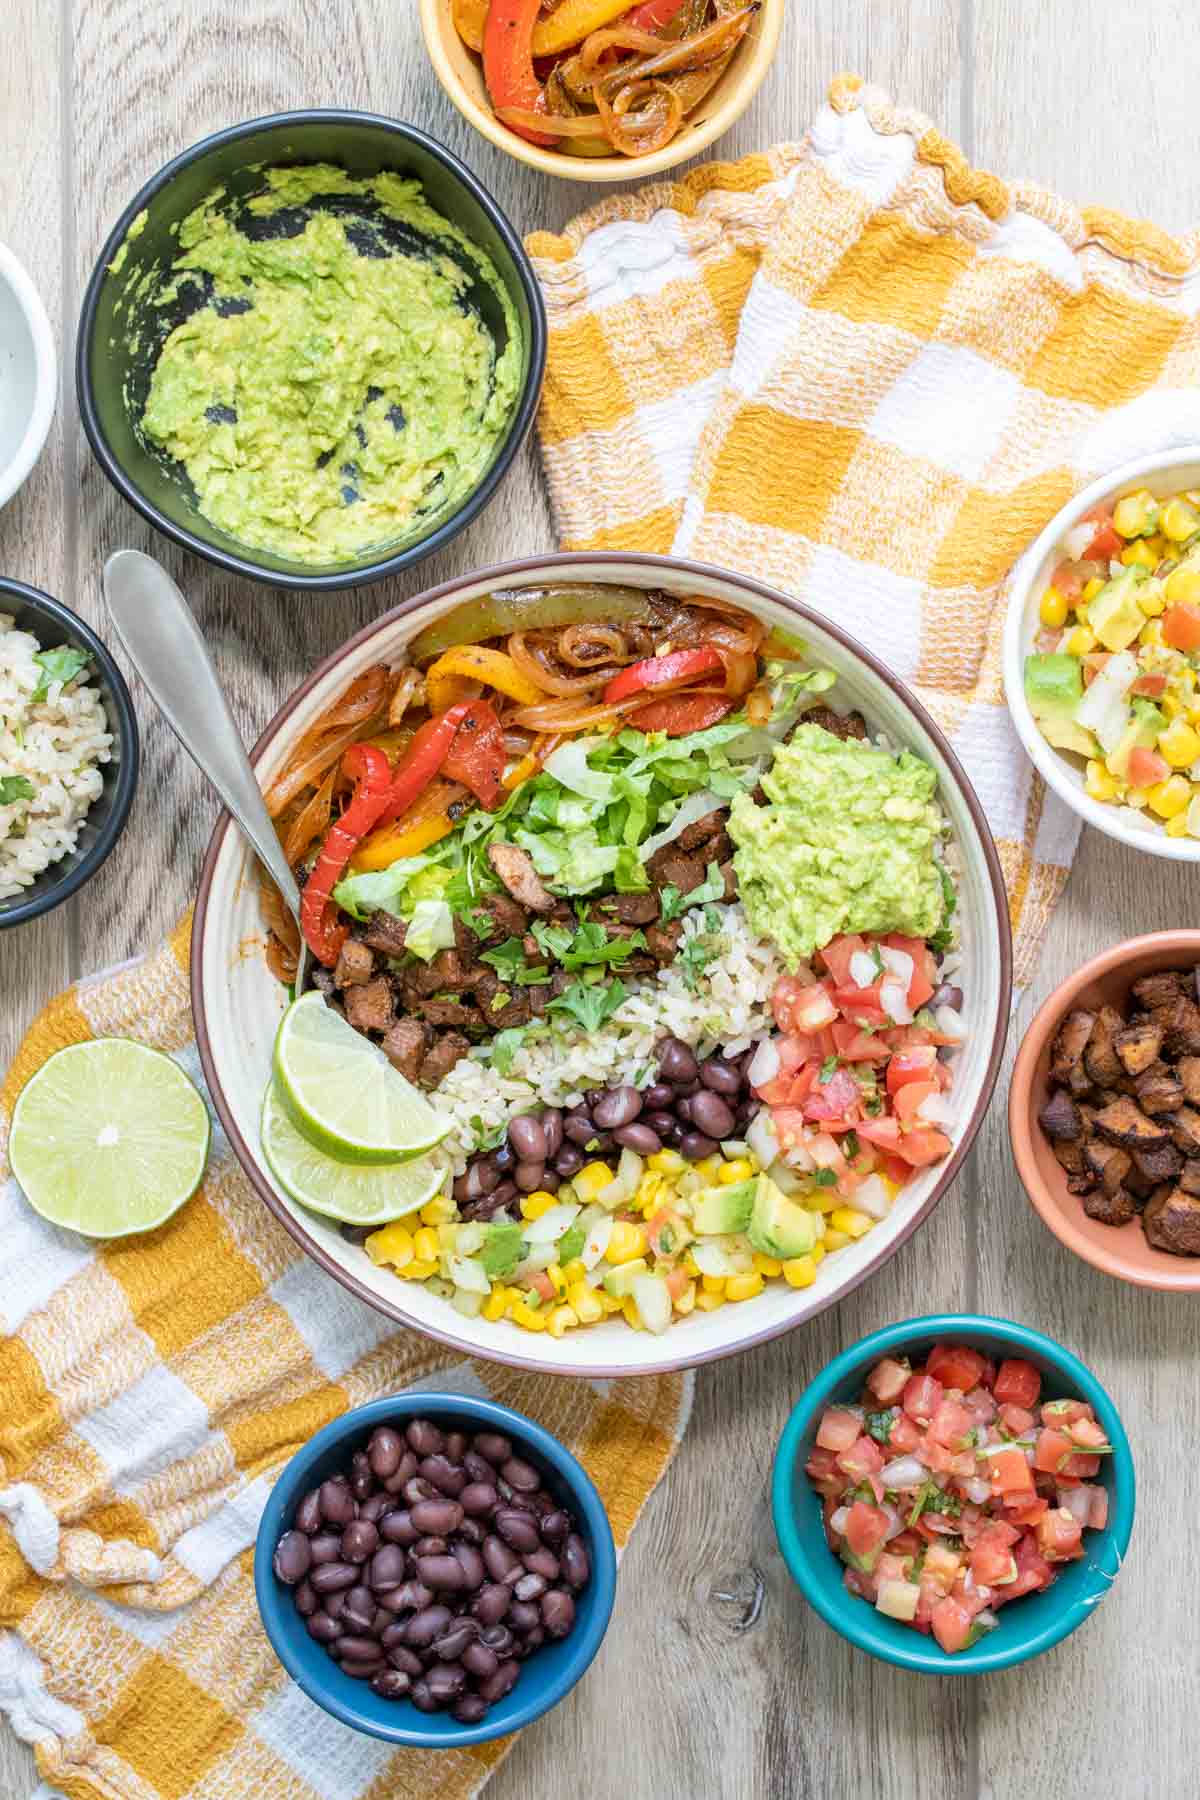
(519, 1474)
(471, 1563)
(516, 1528)
(558, 1612)
(639, 1138)
(947, 995)
(552, 1127)
(504, 1195)
(551, 1180)
(362, 1482)
(747, 1112)
(499, 1559)
(685, 1089)
(483, 1178)
(469, 1709)
(541, 1562)
(531, 1586)
(501, 1683)
(477, 1467)
(479, 1661)
(391, 1684)
(675, 1061)
(397, 1527)
(683, 1109)
(356, 1234)
(293, 1557)
(424, 1437)
(360, 1608)
(576, 1566)
(440, 1572)
(498, 1638)
(591, 1096)
(421, 1697)
(331, 1576)
(450, 1646)
(619, 1106)
(555, 1526)
(720, 1076)
(528, 1139)
(523, 1615)
(712, 1115)
(359, 1540)
(456, 1445)
(323, 1628)
(359, 1649)
(528, 1176)
(493, 1447)
(460, 1191)
(364, 1671)
(578, 1128)
(472, 1531)
(477, 1497)
(308, 1513)
(658, 1096)
(661, 1123)
(694, 1146)
(334, 1604)
(401, 1657)
(374, 1508)
(417, 1488)
(430, 1546)
(384, 1616)
(439, 1516)
(306, 1599)
(338, 1505)
(533, 1641)
(569, 1161)
(386, 1567)
(446, 1681)
(426, 1625)
(491, 1603)
(447, 1477)
(326, 1547)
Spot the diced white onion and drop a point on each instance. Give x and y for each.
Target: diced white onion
(467, 1302)
(693, 807)
(597, 1241)
(871, 1196)
(904, 1472)
(653, 1302)
(937, 1109)
(469, 1275)
(838, 1519)
(1104, 700)
(540, 1257)
(1075, 541)
(1078, 1502)
(468, 1238)
(721, 1256)
(986, 1620)
(798, 1156)
(624, 1186)
(894, 1000)
(898, 963)
(551, 1226)
(950, 1023)
(760, 1135)
(864, 971)
(977, 1490)
(788, 1181)
(764, 1064)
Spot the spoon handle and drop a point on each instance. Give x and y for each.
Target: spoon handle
(165, 646)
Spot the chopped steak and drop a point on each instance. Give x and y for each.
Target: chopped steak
(405, 1046)
(1172, 1223)
(385, 932)
(1100, 1058)
(1153, 991)
(1139, 1045)
(449, 1049)
(631, 909)
(1185, 1130)
(508, 918)
(1111, 1209)
(1181, 1024)
(1189, 1176)
(701, 830)
(1159, 1090)
(1059, 1118)
(663, 941)
(355, 964)
(372, 1007)
(1188, 1071)
(515, 868)
(1158, 1165)
(513, 1006)
(729, 877)
(669, 868)
(1070, 1041)
(851, 725)
(1111, 1164)
(450, 1012)
(1123, 1122)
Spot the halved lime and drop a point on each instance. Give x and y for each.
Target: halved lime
(109, 1138)
(356, 1193)
(344, 1094)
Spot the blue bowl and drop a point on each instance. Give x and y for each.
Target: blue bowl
(1028, 1626)
(550, 1673)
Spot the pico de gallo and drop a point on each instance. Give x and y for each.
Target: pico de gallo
(951, 1488)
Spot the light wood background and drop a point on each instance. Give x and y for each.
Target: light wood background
(697, 1692)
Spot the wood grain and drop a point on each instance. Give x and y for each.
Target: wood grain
(714, 1678)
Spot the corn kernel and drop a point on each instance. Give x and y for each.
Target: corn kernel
(713, 1284)
(1136, 515)
(1053, 610)
(1139, 552)
(393, 1245)
(1099, 785)
(1178, 826)
(767, 1265)
(800, 1271)
(744, 1287)
(836, 1240)
(439, 1211)
(558, 1280)
(709, 1302)
(737, 1170)
(574, 1271)
(526, 1317)
(493, 1307)
(1170, 797)
(1081, 642)
(425, 1244)
(535, 1204)
(1178, 520)
(608, 1302)
(1151, 600)
(1171, 706)
(562, 1318)
(686, 1302)
(588, 1306)
(709, 1167)
(627, 1242)
(817, 1253)
(632, 1316)
(419, 1269)
(1179, 744)
(1091, 589)
(855, 1224)
(691, 1265)
(666, 1162)
(590, 1179)
(1183, 585)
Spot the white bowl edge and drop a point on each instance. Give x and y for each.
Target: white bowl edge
(14, 474)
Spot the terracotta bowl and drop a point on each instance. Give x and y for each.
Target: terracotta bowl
(1122, 1250)
(461, 74)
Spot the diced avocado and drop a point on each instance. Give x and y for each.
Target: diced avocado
(1150, 719)
(619, 1281)
(724, 1209)
(1065, 734)
(1114, 615)
(778, 1226)
(1053, 685)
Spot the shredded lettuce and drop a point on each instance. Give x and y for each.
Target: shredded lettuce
(430, 929)
(389, 890)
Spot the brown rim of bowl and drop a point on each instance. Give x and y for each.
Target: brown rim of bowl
(672, 567)
(1184, 1276)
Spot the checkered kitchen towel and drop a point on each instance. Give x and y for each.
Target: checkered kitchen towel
(862, 371)
(149, 1391)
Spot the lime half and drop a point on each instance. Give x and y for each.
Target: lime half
(344, 1094)
(356, 1193)
(109, 1138)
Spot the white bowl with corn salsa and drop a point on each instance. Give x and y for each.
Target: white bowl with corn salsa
(860, 1085)
(1102, 655)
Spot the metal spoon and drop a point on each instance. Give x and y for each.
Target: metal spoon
(165, 646)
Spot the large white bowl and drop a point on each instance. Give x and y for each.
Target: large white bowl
(238, 1005)
(28, 375)
(1164, 473)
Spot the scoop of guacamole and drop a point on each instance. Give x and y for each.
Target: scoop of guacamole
(335, 385)
(846, 844)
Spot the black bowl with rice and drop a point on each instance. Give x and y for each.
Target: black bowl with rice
(68, 753)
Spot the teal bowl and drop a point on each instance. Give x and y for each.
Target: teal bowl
(1028, 1626)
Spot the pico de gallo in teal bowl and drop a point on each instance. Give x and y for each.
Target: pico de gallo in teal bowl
(954, 1494)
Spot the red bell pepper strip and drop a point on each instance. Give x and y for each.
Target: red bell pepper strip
(423, 760)
(654, 15)
(477, 754)
(369, 768)
(680, 714)
(679, 665)
(508, 61)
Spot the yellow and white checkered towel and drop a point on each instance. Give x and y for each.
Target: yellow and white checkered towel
(860, 370)
(150, 1389)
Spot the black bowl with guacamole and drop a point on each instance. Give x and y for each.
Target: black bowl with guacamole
(311, 348)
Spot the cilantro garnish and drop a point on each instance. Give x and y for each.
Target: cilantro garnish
(589, 946)
(943, 937)
(930, 1498)
(825, 1178)
(850, 1144)
(669, 903)
(14, 788)
(508, 960)
(590, 1004)
(829, 1069)
(672, 903)
(63, 664)
(879, 1425)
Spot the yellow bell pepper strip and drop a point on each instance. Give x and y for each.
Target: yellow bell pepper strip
(508, 60)
(570, 23)
(469, 17)
(473, 662)
(393, 842)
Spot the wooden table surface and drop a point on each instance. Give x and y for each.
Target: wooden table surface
(700, 1689)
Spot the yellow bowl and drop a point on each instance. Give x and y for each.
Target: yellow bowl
(461, 74)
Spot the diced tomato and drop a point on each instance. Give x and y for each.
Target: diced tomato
(1010, 1473)
(884, 1132)
(1059, 1535)
(1067, 581)
(1079, 1467)
(922, 1397)
(938, 1457)
(907, 1543)
(888, 1380)
(942, 1565)
(1089, 1433)
(980, 1405)
(905, 1434)
(951, 1622)
(923, 1147)
(854, 1045)
(1147, 768)
(1052, 1450)
(1016, 1420)
(892, 1167)
(813, 1008)
(1018, 1383)
(908, 1101)
(835, 1098)
(1098, 1509)
(1057, 1414)
(866, 1529)
(861, 1006)
(894, 1566)
(863, 1458)
(677, 1281)
(951, 1422)
(912, 1065)
(934, 1525)
(1033, 1572)
(837, 955)
(993, 1563)
(789, 1125)
(1153, 687)
(1029, 1514)
(921, 987)
(1107, 542)
(837, 1430)
(822, 1470)
(1181, 627)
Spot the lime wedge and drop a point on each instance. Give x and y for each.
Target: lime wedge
(344, 1094)
(356, 1193)
(109, 1138)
